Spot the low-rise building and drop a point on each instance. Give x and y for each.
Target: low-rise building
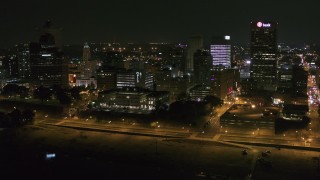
(246, 117)
(132, 100)
(294, 112)
(199, 92)
(87, 82)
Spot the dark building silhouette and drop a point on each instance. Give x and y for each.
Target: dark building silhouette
(195, 43)
(222, 81)
(112, 64)
(285, 81)
(202, 67)
(300, 81)
(107, 77)
(56, 32)
(48, 67)
(248, 86)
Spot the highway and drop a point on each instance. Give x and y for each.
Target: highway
(171, 132)
(118, 127)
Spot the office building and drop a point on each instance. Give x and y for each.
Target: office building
(264, 54)
(22, 52)
(88, 66)
(133, 78)
(248, 86)
(56, 32)
(195, 43)
(222, 81)
(107, 77)
(300, 81)
(176, 86)
(48, 66)
(220, 50)
(132, 100)
(199, 92)
(87, 83)
(202, 67)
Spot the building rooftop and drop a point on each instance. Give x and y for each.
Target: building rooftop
(295, 108)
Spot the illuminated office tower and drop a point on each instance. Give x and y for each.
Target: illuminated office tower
(22, 53)
(88, 66)
(220, 50)
(264, 54)
(132, 78)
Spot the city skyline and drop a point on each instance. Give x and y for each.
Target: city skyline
(159, 89)
(156, 21)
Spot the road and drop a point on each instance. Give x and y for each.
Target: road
(213, 127)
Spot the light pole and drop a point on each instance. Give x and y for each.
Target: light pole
(156, 145)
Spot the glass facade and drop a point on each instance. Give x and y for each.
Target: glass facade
(221, 55)
(264, 54)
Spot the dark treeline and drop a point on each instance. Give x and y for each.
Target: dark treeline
(16, 118)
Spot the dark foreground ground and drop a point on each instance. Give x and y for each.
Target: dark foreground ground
(98, 155)
(92, 155)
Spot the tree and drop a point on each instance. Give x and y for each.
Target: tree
(213, 100)
(63, 97)
(23, 91)
(182, 96)
(4, 120)
(42, 93)
(10, 89)
(15, 118)
(75, 93)
(56, 89)
(92, 86)
(28, 116)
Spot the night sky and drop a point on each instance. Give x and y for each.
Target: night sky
(157, 20)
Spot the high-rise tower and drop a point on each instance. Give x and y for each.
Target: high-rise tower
(264, 54)
(195, 43)
(48, 66)
(87, 66)
(220, 50)
(56, 32)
